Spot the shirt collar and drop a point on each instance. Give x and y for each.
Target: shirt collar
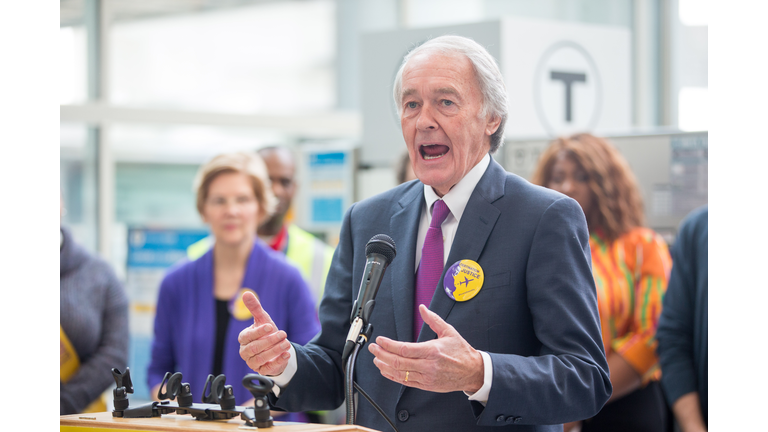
(456, 199)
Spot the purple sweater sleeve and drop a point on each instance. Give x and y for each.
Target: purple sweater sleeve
(162, 359)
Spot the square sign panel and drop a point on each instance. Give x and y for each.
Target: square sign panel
(326, 191)
(564, 77)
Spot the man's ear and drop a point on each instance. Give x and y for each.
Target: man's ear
(493, 125)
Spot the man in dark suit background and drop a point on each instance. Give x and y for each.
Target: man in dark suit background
(525, 351)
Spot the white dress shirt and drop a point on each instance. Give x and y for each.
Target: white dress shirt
(456, 199)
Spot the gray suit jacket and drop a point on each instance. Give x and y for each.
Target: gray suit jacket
(536, 314)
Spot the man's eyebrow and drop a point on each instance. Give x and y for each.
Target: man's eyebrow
(408, 92)
(441, 91)
(447, 90)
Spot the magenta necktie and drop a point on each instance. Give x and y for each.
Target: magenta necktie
(431, 266)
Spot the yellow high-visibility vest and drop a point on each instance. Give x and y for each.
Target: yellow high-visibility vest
(311, 256)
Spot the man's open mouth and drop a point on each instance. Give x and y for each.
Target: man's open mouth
(433, 151)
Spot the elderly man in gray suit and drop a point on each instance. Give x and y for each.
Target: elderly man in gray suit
(520, 350)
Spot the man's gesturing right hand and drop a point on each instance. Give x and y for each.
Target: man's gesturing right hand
(263, 347)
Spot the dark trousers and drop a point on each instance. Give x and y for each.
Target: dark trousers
(643, 410)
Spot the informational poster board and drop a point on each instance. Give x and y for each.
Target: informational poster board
(151, 252)
(688, 175)
(326, 187)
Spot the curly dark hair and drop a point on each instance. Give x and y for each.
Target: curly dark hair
(617, 197)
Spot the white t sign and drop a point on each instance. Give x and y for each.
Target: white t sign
(564, 78)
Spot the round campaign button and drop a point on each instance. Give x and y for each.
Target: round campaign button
(463, 280)
(239, 310)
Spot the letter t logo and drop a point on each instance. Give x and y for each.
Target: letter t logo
(568, 79)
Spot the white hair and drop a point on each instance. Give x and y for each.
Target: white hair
(486, 70)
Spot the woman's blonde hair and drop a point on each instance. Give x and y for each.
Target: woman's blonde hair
(618, 203)
(249, 164)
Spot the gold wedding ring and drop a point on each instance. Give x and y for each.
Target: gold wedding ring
(406, 376)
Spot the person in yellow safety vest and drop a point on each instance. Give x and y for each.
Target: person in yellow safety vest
(305, 251)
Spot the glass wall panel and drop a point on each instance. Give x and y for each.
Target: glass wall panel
(273, 57)
(155, 195)
(71, 70)
(690, 64)
(78, 183)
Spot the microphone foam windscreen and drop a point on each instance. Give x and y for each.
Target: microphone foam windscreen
(381, 244)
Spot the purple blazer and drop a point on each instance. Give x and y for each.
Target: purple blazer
(185, 323)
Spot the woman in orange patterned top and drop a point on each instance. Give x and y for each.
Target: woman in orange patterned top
(631, 266)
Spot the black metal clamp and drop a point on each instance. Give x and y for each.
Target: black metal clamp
(258, 415)
(218, 399)
(123, 387)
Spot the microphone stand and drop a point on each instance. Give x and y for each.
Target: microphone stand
(349, 380)
(349, 385)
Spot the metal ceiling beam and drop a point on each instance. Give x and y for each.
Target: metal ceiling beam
(336, 124)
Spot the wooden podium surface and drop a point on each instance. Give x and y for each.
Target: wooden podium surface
(103, 422)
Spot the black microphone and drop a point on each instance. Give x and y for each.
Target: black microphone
(379, 252)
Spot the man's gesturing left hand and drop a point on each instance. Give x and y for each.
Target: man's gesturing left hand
(441, 365)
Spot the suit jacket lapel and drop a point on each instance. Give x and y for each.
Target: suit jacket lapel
(404, 226)
(475, 227)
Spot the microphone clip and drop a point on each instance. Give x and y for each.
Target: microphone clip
(365, 335)
(359, 334)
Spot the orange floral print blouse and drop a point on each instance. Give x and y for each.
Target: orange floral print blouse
(631, 276)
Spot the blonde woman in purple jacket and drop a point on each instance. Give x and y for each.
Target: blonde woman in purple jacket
(199, 309)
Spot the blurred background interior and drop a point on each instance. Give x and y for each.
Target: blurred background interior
(151, 89)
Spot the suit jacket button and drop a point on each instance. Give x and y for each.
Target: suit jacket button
(518, 419)
(500, 418)
(509, 420)
(403, 415)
